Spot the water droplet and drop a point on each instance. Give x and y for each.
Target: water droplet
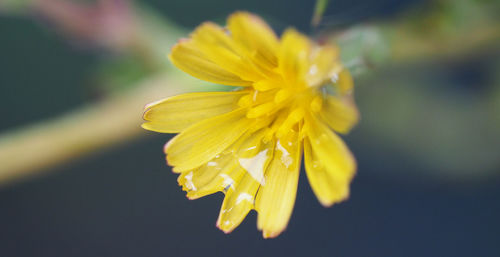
(228, 181)
(255, 165)
(244, 197)
(189, 181)
(335, 77)
(286, 158)
(313, 70)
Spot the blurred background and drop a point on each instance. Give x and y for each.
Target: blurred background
(79, 177)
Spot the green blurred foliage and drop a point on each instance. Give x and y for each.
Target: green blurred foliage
(15, 7)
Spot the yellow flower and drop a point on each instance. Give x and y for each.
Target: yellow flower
(290, 94)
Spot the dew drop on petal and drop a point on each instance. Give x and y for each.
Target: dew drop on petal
(189, 181)
(313, 70)
(228, 181)
(255, 165)
(244, 197)
(286, 158)
(335, 78)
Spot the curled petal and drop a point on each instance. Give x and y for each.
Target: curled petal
(340, 114)
(330, 165)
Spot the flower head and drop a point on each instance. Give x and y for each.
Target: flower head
(290, 95)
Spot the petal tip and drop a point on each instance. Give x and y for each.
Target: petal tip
(270, 235)
(221, 227)
(331, 201)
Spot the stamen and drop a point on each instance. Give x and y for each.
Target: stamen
(264, 85)
(245, 101)
(303, 131)
(316, 104)
(260, 123)
(260, 110)
(282, 95)
(276, 124)
(294, 117)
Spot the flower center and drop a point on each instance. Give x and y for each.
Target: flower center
(282, 110)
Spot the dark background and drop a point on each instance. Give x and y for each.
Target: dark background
(125, 201)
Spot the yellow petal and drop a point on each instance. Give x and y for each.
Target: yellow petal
(204, 140)
(210, 178)
(340, 114)
(177, 113)
(324, 64)
(330, 165)
(255, 36)
(220, 48)
(197, 179)
(254, 155)
(276, 196)
(248, 155)
(187, 57)
(294, 54)
(237, 203)
(345, 82)
(265, 85)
